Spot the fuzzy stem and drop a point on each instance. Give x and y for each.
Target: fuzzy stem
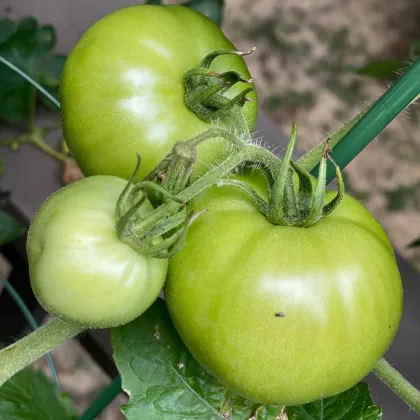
(32, 347)
(247, 153)
(401, 387)
(31, 321)
(38, 141)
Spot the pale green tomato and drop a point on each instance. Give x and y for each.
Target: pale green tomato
(80, 271)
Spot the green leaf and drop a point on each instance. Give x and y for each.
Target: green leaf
(387, 69)
(163, 379)
(7, 28)
(354, 404)
(30, 396)
(28, 46)
(415, 50)
(155, 2)
(51, 77)
(10, 228)
(213, 9)
(166, 383)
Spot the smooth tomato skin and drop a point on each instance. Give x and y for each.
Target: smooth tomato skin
(122, 88)
(79, 269)
(335, 288)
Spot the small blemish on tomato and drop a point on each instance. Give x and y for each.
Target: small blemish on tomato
(280, 314)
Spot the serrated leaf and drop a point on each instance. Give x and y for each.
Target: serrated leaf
(163, 379)
(213, 9)
(387, 69)
(354, 404)
(30, 396)
(166, 383)
(10, 228)
(28, 46)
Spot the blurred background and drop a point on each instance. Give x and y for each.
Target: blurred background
(317, 63)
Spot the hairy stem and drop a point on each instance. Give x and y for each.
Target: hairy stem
(403, 388)
(37, 140)
(32, 347)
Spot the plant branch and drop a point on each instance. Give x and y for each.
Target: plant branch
(31, 321)
(35, 345)
(391, 377)
(37, 140)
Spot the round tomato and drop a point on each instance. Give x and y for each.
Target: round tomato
(284, 315)
(80, 271)
(122, 89)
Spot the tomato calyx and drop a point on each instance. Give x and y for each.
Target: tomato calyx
(205, 88)
(162, 232)
(305, 206)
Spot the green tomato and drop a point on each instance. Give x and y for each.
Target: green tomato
(122, 89)
(80, 271)
(284, 315)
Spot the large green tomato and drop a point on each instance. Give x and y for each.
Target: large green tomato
(122, 89)
(284, 315)
(80, 271)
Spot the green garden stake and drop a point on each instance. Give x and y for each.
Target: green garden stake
(403, 92)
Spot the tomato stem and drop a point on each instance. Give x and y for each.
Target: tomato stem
(35, 345)
(205, 92)
(391, 377)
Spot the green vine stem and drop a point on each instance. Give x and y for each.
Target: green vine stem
(34, 346)
(31, 321)
(391, 377)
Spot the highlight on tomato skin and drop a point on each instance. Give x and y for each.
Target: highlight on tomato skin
(80, 270)
(284, 315)
(122, 90)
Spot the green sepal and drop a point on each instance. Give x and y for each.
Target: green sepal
(280, 194)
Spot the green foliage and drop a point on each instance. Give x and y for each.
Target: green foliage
(213, 9)
(30, 396)
(166, 383)
(29, 47)
(354, 404)
(10, 228)
(387, 69)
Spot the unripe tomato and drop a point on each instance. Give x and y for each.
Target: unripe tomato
(122, 89)
(284, 315)
(80, 270)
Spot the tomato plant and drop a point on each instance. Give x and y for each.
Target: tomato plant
(283, 292)
(80, 269)
(284, 314)
(123, 90)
